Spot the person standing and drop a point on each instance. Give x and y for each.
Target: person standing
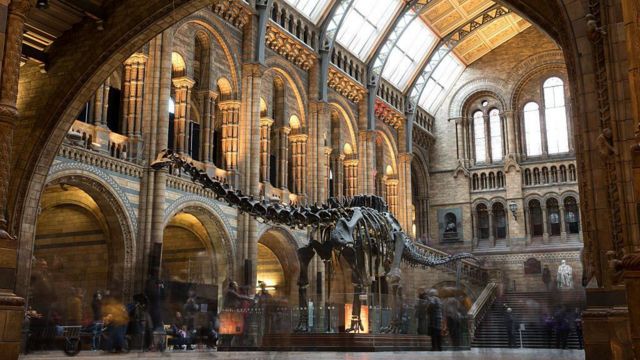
(578, 326)
(435, 320)
(546, 277)
(421, 313)
(508, 323)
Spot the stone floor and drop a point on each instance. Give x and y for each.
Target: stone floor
(492, 354)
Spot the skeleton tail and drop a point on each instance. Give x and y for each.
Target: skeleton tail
(415, 256)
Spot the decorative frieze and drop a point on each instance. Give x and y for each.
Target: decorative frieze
(345, 85)
(290, 48)
(389, 115)
(232, 11)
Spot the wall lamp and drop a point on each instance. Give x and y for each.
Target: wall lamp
(513, 206)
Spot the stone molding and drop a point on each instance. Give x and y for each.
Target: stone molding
(388, 114)
(494, 86)
(231, 11)
(345, 85)
(289, 47)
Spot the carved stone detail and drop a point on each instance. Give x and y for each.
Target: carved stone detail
(389, 115)
(345, 85)
(231, 11)
(289, 47)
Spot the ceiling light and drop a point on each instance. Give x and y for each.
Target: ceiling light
(42, 4)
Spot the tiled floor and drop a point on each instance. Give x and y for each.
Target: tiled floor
(491, 354)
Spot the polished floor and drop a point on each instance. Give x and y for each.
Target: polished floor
(474, 354)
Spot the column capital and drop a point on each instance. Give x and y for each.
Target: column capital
(253, 69)
(229, 105)
(136, 58)
(285, 130)
(266, 121)
(405, 157)
(183, 82)
(328, 150)
(351, 162)
(393, 180)
(298, 138)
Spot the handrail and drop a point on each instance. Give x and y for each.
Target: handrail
(469, 269)
(481, 306)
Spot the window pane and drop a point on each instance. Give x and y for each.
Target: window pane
(442, 79)
(406, 56)
(532, 129)
(312, 9)
(496, 135)
(555, 116)
(364, 23)
(478, 133)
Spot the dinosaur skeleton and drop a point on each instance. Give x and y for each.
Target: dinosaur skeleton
(360, 229)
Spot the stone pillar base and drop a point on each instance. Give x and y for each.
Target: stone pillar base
(606, 326)
(11, 319)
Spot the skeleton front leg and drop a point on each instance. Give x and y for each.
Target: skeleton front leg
(305, 254)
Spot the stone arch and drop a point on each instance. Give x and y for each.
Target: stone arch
(116, 219)
(224, 86)
(348, 118)
(93, 57)
(284, 246)
(516, 100)
(569, 193)
(214, 30)
(218, 237)
(296, 85)
(391, 147)
(473, 87)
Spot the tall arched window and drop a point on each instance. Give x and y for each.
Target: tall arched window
(479, 136)
(483, 221)
(553, 217)
(535, 218)
(572, 215)
(495, 127)
(555, 116)
(532, 129)
(499, 221)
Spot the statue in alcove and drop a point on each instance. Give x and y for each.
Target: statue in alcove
(450, 227)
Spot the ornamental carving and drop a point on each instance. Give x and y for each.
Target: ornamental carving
(345, 85)
(231, 11)
(290, 48)
(388, 114)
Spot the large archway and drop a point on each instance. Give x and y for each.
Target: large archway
(277, 263)
(83, 244)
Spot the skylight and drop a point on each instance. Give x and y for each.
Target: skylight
(312, 9)
(405, 57)
(440, 82)
(364, 23)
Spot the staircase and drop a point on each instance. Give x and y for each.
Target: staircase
(528, 308)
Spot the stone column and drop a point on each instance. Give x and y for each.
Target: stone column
(351, 175)
(474, 227)
(327, 170)
(366, 154)
(11, 306)
(511, 133)
(338, 177)
(460, 138)
(563, 225)
(132, 95)
(391, 188)
(283, 157)
(543, 132)
(208, 99)
(492, 237)
(265, 147)
(249, 162)
(100, 109)
(529, 226)
(487, 139)
(229, 110)
(182, 87)
(545, 225)
(404, 191)
(298, 157)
